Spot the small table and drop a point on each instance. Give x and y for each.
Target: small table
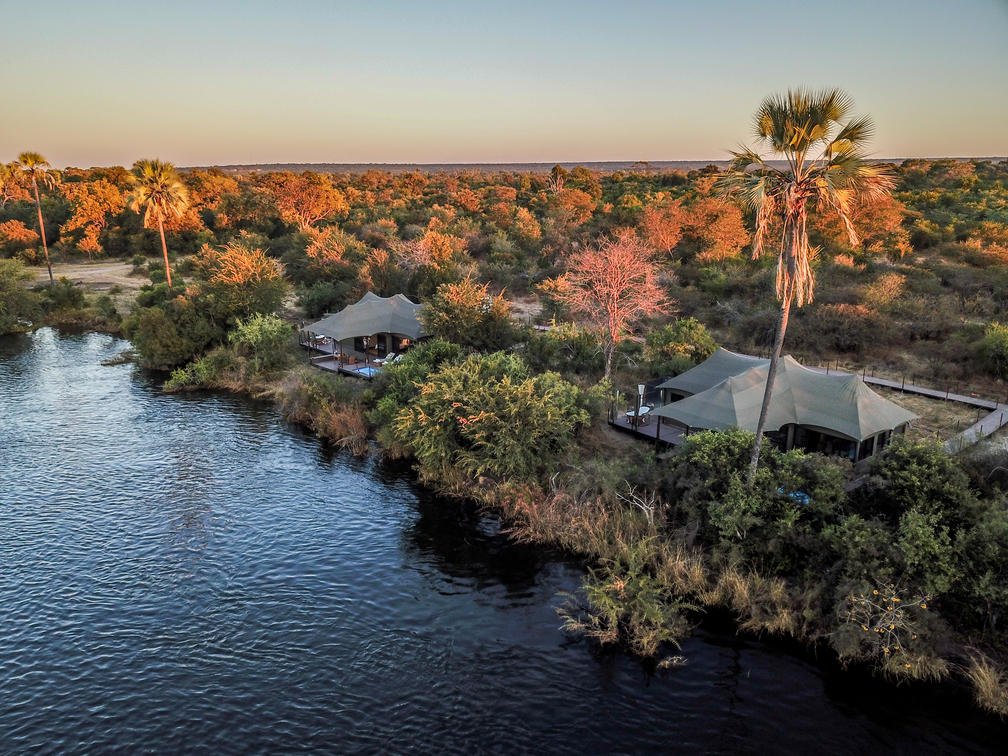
(643, 418)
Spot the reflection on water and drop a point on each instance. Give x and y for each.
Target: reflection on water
(189, 573)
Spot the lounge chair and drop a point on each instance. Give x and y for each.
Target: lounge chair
(390, 357)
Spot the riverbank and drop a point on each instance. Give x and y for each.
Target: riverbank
(674, 538)
(207, 562)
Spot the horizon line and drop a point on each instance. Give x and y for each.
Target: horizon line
(710, 161)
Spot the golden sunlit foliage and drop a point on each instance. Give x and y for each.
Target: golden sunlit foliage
(15, 235)
(93, 202)
(305, 199)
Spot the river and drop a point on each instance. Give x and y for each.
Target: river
(190, 573)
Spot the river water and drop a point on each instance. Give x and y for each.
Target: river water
(190, 573)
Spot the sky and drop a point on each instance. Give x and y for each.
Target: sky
(435, 81)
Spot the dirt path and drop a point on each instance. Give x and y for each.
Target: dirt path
(98, 276)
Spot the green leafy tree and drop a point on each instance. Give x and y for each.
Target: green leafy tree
(158, 193)
(38, 171)
(168, 336)
(678, 346)
(826, 172)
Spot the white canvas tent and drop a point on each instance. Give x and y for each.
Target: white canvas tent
(371, 315)
(709, 373)
(804, 401)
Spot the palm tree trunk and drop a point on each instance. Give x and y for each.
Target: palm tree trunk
(164, 251)
(782, 324)
(41, 225)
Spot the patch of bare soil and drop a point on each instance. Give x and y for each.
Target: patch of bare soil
(99, 276)
(526, 310)
(112, 277)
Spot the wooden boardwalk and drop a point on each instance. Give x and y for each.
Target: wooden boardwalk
(983, 427)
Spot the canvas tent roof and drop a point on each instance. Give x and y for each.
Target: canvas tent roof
(372, 314)
(842, 405)
(718, 367)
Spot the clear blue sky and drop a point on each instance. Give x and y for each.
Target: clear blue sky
(93, 82)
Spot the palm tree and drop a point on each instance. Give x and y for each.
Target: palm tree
(158, 192)
(38, 169)
(826, 173)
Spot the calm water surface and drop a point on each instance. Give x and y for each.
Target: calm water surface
(192, 574)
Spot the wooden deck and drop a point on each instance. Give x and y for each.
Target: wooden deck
(326, 356)
(654, 431)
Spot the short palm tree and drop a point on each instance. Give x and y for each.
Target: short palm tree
(158, 193)
(39, 171)
(826, 173)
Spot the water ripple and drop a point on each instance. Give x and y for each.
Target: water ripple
(189, 573)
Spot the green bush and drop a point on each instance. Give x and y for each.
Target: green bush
(63, 295)
(167, 337)
(487, 416)
(466, 313)
(775, 522)
(993, 350)
(675, 348)
(19, 307)
(565, 348)
(264, 339)
(326, 296)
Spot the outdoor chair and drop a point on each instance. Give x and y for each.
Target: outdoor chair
(390, 357)
(645, 414)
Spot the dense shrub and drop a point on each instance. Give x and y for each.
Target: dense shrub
(466, 313)
(993, 350)
(675, 348)
(18, 306)
(837, 327)
(775, 521)
(565, 348)
(165, 337)
(488, 416)
(266, 340)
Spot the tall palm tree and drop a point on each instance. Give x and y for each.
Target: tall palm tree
(826, 173)
(158, 192)
(38, 170)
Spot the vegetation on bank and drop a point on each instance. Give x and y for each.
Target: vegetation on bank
(905, 575)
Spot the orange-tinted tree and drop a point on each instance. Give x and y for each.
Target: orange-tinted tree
(714, 229)
(613, 285)
(16, 236)
(306, 199)
(661, 225)
(12, 189)
(241, 280)
(93, 202)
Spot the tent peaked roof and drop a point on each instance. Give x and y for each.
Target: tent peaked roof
(718, 367)
(842, 405)
(372, 314)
